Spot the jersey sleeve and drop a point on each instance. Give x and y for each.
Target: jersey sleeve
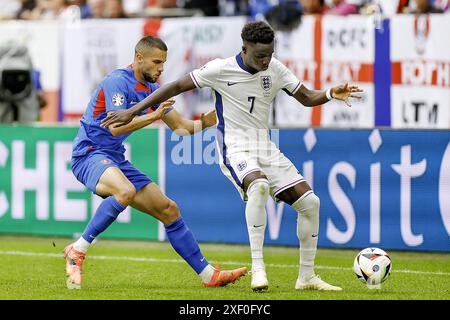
(288, 81)
(116, 93)
(207, 75)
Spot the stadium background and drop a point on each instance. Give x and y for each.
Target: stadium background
(381, 168)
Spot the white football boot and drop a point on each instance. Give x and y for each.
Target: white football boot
(259, 280)
(314, 283)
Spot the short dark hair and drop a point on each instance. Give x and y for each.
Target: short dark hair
(148, 42)
(257, 32)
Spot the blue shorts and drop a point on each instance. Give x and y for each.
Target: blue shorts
(88, 169)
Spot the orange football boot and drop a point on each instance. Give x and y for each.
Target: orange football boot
(74, 266)
(221, 278)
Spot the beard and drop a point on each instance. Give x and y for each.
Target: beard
(148, 77)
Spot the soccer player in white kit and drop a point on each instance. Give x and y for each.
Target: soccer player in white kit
(244, 87)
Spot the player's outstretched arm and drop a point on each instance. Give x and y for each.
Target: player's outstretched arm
(311, 98)
(142, 121)
(183, 127)
(122, 117)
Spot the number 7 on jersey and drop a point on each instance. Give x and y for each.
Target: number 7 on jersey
(252, 101)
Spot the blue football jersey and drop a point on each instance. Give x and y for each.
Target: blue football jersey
(118, 90)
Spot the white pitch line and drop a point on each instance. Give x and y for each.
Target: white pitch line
(58, 255)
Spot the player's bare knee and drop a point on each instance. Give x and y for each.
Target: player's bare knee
(170, 212)
(126, 195)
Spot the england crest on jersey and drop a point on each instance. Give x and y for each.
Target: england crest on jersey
(242, 165)
(266, 83)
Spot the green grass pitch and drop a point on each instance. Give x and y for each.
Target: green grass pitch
(33, 268)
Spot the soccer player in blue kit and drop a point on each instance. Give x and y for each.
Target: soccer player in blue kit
(98, 162)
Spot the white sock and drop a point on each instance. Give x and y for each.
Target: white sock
(256, 217)
(307, 208)
(81, 245)
(207, 273)
(258, 264)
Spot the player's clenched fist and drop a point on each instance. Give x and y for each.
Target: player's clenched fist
(208, 119)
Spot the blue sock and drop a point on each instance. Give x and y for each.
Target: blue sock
(106, 213)
(183, 241)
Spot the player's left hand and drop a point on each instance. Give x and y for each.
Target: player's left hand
(208, 119)
(163, 107)
(346, 91)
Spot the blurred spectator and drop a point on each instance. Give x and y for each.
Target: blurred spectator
(258, 9)
(342, 8)
(134, 8)
(386, 7)
(313, 6)
(286, 16)
(422, 7)
(47, 9)
(209, 7)
(9, 9)
(82, 6)
(26, 6)
(114, 9)
(166, 4)
(443, 5)
(233, 7)
(96, 9)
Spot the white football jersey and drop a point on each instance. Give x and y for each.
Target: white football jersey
(243, 99)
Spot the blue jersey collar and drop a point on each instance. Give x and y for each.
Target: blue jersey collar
(243, 66)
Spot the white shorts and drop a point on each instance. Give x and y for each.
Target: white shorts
(279, 170)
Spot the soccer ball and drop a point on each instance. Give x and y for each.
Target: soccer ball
(372, 266)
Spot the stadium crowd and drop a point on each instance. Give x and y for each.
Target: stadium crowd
(282, 15)
(99, 9)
